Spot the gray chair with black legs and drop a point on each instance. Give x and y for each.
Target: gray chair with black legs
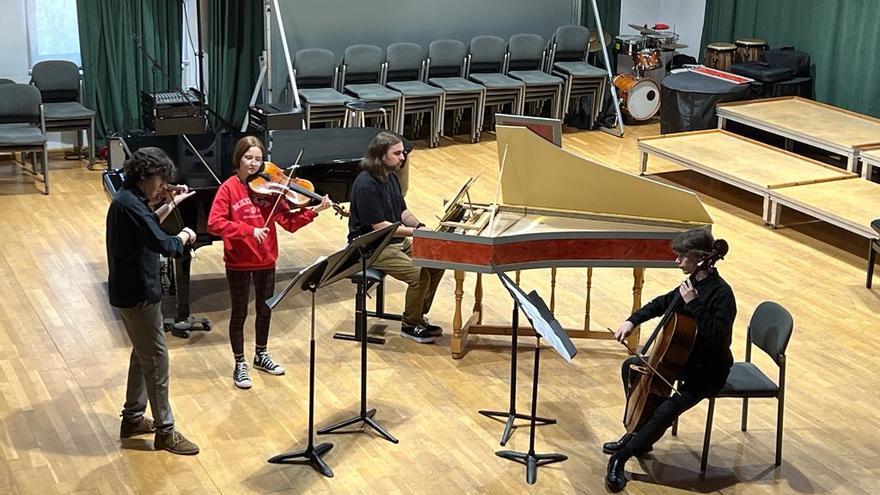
(873, 249)
(362, 74)
(568, 54)
(486, 56)
(525, 61)
(405, 72)
(770, 330)
(447, 61)
(22, 126)
(315, 72)
(60, 86)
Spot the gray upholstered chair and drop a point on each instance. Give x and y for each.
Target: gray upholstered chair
(362, 74)
(405, 73)
(315, 72)
(3, 80)
(770, 330)
(486, 55)
(22, 126)
(446, 67)
(525, 61)
(60, 86)
(568, 54)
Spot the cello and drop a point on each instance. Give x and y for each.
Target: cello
(675, 336)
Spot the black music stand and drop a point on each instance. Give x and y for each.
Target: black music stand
(545, 325)
(308, 279)
(366, 249)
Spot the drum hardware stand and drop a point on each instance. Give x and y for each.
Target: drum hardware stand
(620, 129)
(511, 415)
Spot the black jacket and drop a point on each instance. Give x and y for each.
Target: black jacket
(714, 310)
(134, 242)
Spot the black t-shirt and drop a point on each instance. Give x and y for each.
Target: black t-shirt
(372, 202)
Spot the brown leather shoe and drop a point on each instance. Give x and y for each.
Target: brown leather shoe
(130, 429)
(175, 443)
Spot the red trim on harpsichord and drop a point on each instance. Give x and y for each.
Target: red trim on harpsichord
(544, 250)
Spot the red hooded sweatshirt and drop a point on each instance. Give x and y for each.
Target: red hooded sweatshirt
(235, 214)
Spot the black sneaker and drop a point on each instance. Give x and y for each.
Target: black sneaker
(263, 362)
(433, 330)
(419, 333)
(240, 375)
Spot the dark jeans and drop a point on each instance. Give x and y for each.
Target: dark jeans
(690, 393)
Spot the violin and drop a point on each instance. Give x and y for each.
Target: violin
(271, 181)
(675, 334)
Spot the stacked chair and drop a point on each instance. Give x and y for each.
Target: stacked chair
(362, 74)
(569, 49)
(315, 71)
(60, 88)
(22, 124)
(525, 61)
(405, 72)
(486, 56)
(446, 69)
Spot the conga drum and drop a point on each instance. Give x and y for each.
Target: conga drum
(720, 55)
(749, 49)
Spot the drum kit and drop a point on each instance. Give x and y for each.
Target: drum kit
(638, 86)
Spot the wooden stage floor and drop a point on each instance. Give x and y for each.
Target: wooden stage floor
(65, 355)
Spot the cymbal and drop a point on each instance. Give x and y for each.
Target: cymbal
(643, 29)
(595, 45)
(672, 46)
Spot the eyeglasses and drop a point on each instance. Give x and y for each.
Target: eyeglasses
(258, 159)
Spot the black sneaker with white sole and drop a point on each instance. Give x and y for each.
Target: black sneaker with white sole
(240, 375)
(433, 330)
(263, 362)
(419, 333)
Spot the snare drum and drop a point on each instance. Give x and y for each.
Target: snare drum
(639, 98)
(627, 44)
(647, 59)
(720, 55)
(749, 50)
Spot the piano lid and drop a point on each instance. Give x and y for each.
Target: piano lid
(537, 174)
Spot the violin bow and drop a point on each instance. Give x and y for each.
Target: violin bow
(646, 363)
(288, 177)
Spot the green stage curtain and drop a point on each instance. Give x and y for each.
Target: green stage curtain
(609, 10)
(115, 70)
(841, 36)
(235, 41)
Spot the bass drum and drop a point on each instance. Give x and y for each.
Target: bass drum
(639, 98)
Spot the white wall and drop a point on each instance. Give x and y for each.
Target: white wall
(685, 16)
(14, 58)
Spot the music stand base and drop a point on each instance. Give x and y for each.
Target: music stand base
(356, 338)
(532, 461)
(310, 455)
(367, 419)
(511, 417)
(182, 328)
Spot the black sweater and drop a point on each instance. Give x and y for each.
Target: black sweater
(714, 310)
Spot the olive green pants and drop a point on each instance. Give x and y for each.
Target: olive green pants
(396, 261)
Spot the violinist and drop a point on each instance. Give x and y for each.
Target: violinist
(246, 222)
(134, 242)
(709, 300)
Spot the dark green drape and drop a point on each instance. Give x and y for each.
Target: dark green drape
(609, 10)
(235, 41)
(841, 36)
(115, 69)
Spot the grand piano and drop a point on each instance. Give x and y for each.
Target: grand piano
(330, 160)
(557, 209)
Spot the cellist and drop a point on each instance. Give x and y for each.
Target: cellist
(710, 302)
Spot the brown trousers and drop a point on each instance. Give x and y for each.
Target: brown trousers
(396, 261)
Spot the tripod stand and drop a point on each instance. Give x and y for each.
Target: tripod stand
(511, 415)
(362, 245)
(312, 454)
